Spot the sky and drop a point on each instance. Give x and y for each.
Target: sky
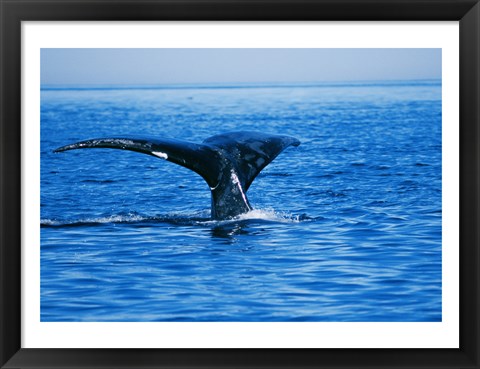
(102, 67)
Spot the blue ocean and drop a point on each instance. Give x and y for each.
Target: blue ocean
(346, 227)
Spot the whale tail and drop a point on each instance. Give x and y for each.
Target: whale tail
(227, 162)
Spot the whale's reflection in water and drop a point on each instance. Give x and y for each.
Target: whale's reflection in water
(229, 231)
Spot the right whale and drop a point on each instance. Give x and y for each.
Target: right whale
(228, 162)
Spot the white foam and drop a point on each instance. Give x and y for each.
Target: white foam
(117, 219)
(130, 218)
(270, 215)
(180, 217)
(49, 222)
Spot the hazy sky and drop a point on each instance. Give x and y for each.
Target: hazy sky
(170, 66)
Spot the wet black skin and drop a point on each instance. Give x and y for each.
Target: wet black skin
(227, 162)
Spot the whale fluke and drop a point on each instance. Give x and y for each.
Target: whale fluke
(227, 162)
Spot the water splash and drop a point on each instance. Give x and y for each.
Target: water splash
(111, 219)
(272, 215)
(199, 218)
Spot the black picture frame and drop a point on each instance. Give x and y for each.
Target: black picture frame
(13, 12)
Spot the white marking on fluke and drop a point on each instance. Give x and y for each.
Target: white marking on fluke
(236, 181)
(160, 154)
(214, 188)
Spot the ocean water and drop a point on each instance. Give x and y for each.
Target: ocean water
(346, 227)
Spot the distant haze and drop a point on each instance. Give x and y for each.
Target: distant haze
(197, 66)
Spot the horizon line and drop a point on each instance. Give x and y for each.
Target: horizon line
(227, 85)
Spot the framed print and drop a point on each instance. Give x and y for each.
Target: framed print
(353, 126)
